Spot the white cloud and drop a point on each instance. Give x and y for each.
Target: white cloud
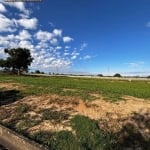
(67, 47)
(57, 32)
(2, 8)
(4, 42)
(135, 64)
(83, 46)
(74, 55)
(58, 47)
(28, 23)
(24, 16)
(42, 45)
(60, 63)
(24, 35)
(67, 39)
(66, 54)
(148, 24)
(25, 44)
(86, 57)
(54, 41)
(6, 24)
(18, 5)
(51, 24)
(44, 35)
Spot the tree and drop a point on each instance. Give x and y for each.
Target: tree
(117, 75)
(100, 75)
(19, 59)
(37, 71)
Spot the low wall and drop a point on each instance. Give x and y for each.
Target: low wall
(13, 141)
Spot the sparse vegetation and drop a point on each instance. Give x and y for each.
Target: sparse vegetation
(53, 115)
(88, 136)
(22, 108)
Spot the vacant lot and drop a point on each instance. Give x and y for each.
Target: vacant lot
(88, 113)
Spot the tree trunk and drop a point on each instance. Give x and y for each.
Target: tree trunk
(19, 72)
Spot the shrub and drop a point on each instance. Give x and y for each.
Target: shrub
(100, 75)
(117, 75)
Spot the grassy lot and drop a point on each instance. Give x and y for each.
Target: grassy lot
(59, 124)
(110, 89)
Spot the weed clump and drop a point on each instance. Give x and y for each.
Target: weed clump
(90, 136)
(22, 108)
(63, 140)
(53, 115)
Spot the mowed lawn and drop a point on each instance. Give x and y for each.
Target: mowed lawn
(85, 88)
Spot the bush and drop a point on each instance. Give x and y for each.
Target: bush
(100, 75)
(117, 75)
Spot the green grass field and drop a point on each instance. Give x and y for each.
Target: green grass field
(83, 87)
(86, 133)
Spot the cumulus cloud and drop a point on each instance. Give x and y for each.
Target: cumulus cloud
(67, 39)
(74, 55)
(18, 5)
(57, 32)
(83, 46)
(28, 23)
(58, 47)
(10, 25)
(43, 35)
(86, 57)
(2, 8)
(24, 16)
(6, 24)
(25, 44)
(54, 41)
(24, 35)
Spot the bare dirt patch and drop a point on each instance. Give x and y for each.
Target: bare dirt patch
(70, 90)
(10, 86)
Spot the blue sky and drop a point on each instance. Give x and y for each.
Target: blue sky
(80, 36)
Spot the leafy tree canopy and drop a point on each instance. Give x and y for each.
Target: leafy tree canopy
(18, 59)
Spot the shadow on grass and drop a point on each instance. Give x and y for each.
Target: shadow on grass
(135, 133)
(9, 96)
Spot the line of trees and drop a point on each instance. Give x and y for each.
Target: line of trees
(18, 60)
